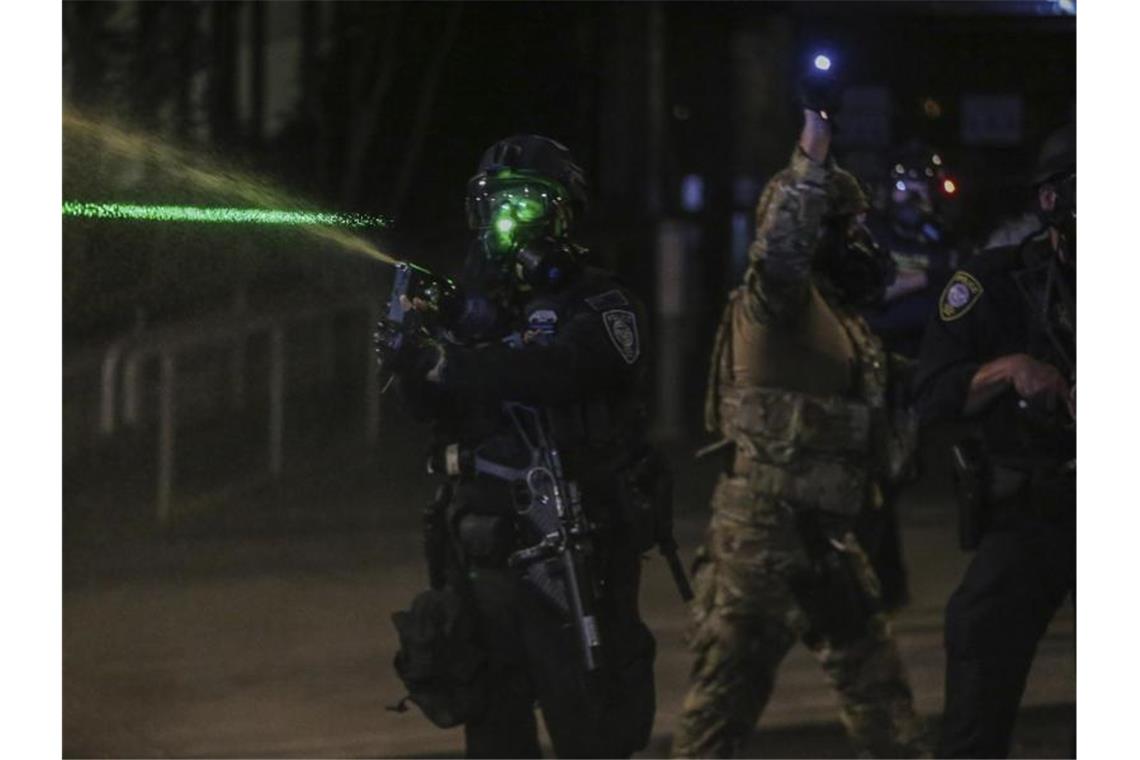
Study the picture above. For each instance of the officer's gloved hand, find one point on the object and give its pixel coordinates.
(821, 93)
(407, 354)
(387, 340)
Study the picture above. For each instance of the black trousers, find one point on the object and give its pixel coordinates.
(1021, 574)
(535, 658)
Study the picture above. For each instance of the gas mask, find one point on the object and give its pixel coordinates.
(851, 264)
(912, 212)
(521, 225)
(486, 294)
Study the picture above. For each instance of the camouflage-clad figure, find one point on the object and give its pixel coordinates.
(797, 385)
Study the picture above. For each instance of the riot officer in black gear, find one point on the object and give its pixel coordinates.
(914, 225)
(544, 354)
(912, 222)
(1001, 351)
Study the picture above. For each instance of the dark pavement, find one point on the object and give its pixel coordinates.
(282, 647)
(261, 627)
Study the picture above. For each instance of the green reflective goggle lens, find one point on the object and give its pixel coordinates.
(511, 216)
(506, 234)
(525, 204)
(520, 208)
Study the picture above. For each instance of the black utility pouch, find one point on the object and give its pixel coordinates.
(971, 486)
(440, 660)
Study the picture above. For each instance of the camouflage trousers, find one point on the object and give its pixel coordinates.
(749, 611)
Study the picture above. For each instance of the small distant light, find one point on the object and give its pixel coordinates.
(692, 192)
(936, 160)
(949, 186)
(505, 225)
(900, 186)
(822, 62)
(932, 108)
(899, 169)
(929, 172)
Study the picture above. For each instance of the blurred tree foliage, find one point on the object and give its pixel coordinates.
(367, 74)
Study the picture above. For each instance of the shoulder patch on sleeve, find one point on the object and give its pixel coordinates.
(621, 325)
(611, 299)
(959, 296)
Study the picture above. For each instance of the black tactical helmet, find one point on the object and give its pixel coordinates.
(523, 160)
(917, 166)
(524, 201)
(920, 193)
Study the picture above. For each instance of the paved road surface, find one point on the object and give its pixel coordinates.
(282, 647)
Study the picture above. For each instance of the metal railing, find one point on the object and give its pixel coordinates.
(118, 365)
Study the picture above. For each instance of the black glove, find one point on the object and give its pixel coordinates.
(399, 352)
(820, 92)
(388, 341)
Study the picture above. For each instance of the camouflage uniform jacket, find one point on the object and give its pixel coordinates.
(797, 381)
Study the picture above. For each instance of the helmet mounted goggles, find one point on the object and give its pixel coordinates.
(511, 210)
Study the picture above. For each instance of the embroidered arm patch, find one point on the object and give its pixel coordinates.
(959, 296)
(621, 325)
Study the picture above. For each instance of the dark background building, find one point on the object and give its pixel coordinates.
(678, 111)
(218, 381)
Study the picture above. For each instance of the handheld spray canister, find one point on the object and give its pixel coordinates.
(418, 300)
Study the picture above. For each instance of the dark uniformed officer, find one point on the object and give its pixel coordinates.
(915, 229)
(547, 354)
(1001, 350)
(798, 387)
(913, 225)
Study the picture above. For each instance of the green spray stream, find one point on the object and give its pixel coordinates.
(270, 205)
(216, 215)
